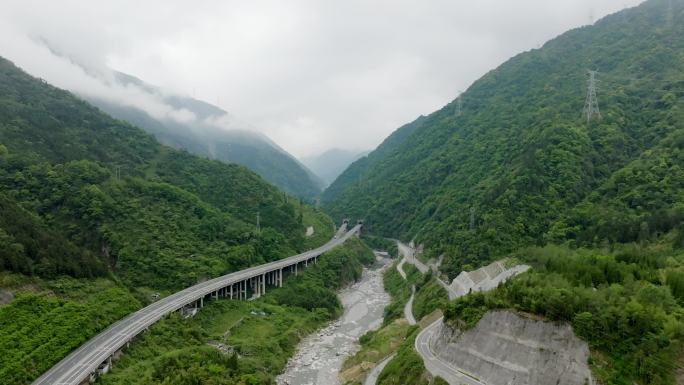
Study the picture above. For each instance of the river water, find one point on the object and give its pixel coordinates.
(320, 356)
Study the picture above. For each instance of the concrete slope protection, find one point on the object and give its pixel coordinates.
(435, 364)
(483, 279)
(82, 364)
(506, 348)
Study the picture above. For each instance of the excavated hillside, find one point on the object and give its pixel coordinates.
(505, 348)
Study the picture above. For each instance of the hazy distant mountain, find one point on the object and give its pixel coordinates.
(214, 133)
(330, 164)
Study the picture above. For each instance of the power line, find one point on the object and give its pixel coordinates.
(591, 107)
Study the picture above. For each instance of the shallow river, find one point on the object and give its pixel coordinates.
(319, 356)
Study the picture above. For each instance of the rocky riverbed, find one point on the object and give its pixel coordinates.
(319, 357)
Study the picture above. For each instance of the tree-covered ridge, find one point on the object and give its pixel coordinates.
(520, 157)
(83, 194)
(627, 304)
(42, 325)
(252, 150)
(361, 167)
(640, 202)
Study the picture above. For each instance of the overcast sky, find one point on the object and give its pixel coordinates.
(311, 75)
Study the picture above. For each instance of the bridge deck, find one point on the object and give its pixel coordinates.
(79, 364)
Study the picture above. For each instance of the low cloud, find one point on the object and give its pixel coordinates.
(311, 75)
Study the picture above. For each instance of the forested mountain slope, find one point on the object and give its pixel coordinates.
(373, 161)
(206, 136)
(521, 166)
(330, 164)
(83, 194)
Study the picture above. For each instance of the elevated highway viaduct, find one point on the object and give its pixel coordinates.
(81, 365)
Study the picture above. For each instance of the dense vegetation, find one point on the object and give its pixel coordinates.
(96, 216)
(38, 328)
(407, 367)
(83, 194)
(204, 138)
(256, 337)
(376, 345)
(381, 244)
(399, 290)
(521, 166)
(396, 336)
(430, 296)
(627, 304)
(323, 226)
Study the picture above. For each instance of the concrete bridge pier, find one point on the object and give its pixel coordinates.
(263, 284)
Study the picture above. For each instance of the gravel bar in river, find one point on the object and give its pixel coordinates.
(320, 356)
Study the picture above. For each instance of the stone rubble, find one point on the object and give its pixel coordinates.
(320, 356)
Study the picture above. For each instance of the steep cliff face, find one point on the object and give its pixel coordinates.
(508, 349)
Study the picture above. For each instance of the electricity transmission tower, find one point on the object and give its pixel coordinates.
(670, 14)
(591, 107)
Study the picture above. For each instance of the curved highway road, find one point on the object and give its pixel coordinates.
(410, 257)
(434, 364)
(83, 362)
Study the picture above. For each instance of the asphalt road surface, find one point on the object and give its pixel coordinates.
(436, 366)
(372, 377)
(408, 308)
(410, 257)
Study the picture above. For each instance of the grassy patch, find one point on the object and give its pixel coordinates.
(407, 367)
(430, 296)
(375, 346)
(400, 290)
(322, 224)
